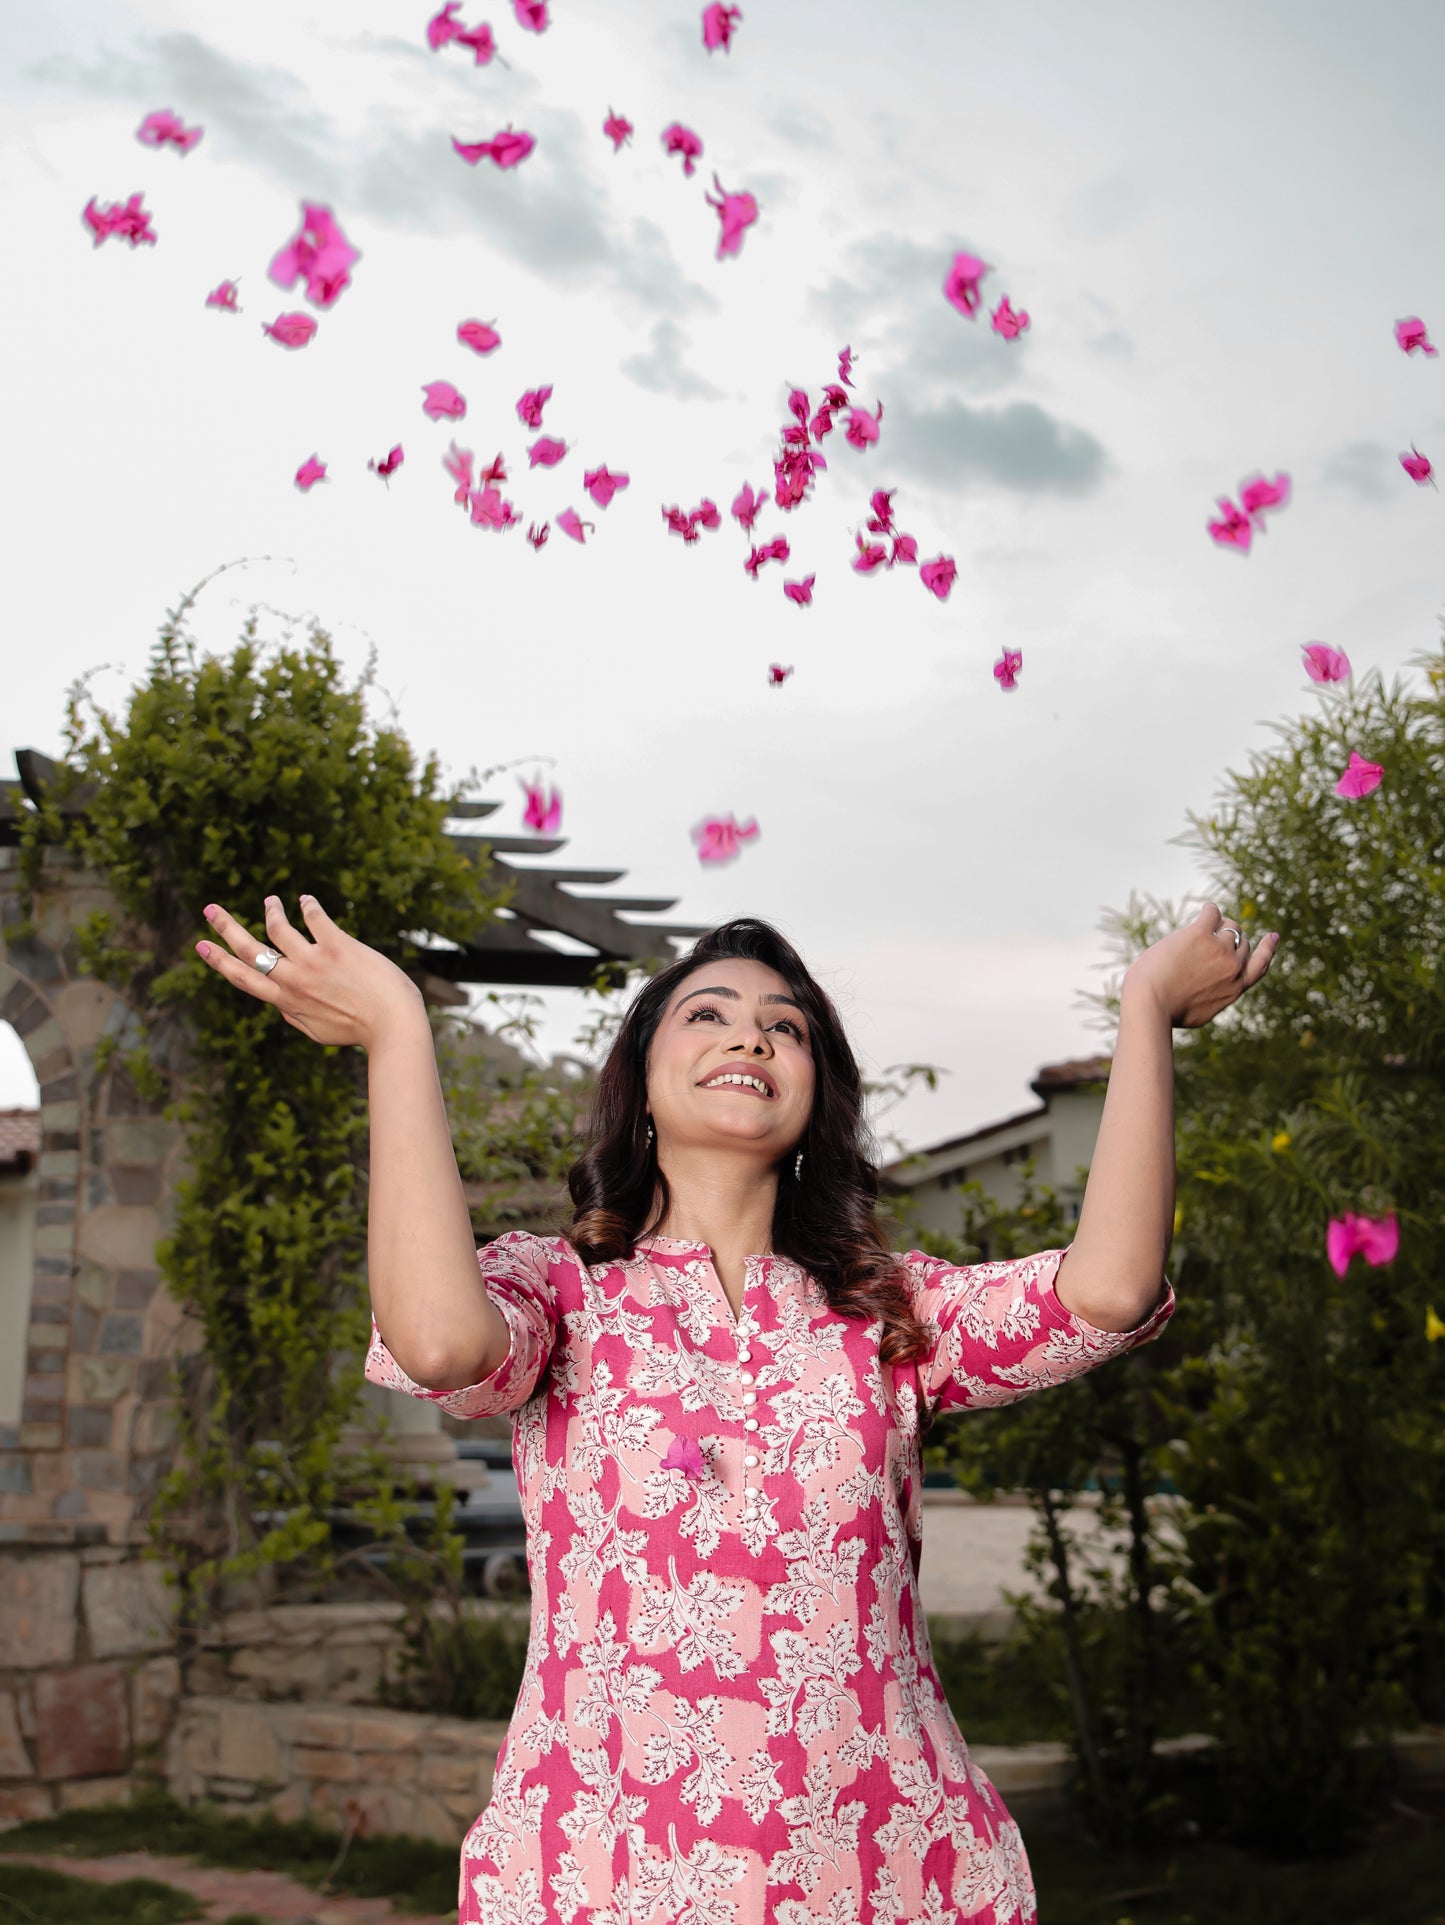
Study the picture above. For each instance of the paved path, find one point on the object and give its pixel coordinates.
(224, 1892)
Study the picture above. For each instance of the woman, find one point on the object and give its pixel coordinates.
(729, 1713)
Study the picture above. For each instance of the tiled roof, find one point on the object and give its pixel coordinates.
(1079, 1069)
(19, 1138)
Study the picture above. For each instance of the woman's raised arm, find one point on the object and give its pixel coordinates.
(426, 1288)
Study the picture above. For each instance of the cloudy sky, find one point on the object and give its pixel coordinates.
(1214, 216)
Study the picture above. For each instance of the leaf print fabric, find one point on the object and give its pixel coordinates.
(729, 1713)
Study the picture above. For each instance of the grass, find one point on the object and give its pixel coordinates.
(35, 1895)
(1397, 1880)
(418, 1875)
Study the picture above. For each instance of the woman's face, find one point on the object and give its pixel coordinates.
(731, 1063)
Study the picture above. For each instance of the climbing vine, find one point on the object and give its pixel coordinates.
(225, 780)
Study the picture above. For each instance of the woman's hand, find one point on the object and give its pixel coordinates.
(332, 988)
(1197, 970)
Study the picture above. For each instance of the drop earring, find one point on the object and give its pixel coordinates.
(798, 1168)
(649, 1134)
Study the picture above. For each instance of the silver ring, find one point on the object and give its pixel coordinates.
(1238, 936)
(265, 960)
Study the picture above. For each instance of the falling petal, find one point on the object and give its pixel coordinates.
(1417, 467)
(1412, 335)
(529, 408)
(1360, 777)
(602, 485)
(720, 839)
(570, 524)
(129, 222)
(319, 253)
(531, 14)
(545, 452)
(1008, 323)
(938, 576)
(507, 149)
(538, 536)
(1006, 668)
(862, 429)
(309, 473)
(777, 674)
(1233, 529)
(543, 812)
(719, 24)
(960, 285)
(223, 296)
(1325, 664)
(480, 336)
(443, 402)
(163, 129)
(290, 330)
(800, 592)
(617, 129)
(737, 212)
(1257, 494)
(678, 139)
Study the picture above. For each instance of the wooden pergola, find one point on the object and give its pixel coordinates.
(511, 948)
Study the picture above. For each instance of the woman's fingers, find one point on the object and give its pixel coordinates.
(1260, 961)
(279, 932)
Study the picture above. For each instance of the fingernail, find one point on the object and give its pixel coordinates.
(203, 948)
(209, 911)
(272, 902)
(308, 898)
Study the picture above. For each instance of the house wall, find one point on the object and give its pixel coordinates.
(1059, 1142)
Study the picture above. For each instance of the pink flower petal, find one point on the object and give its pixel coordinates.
(290, 330)
(960, 284)
(1006, 668)
(129, 222)
(737, 212)
(545, 452)
(529, 408)
(1006, 322)
(1257, 494)
(163, 129)
(1233, 529)
(309, 473)
(720, 838)
(531, 14)
(1360, 777)
(480, 336)
(1325, 664)
(507, 149)
(938, 576)
(320, 253)
(443, 402)
(1417, 467)
(617, 130)
(223, 296)
(442, 27)
(678, 139)
(863, 428)
(685, 1454)
(719, 24)
(570, 524)
(1377, 1239)
(800, 592)
(777, 674)
(746, 505)
(389, 466)
(1412, 335)
(602, 485)
(538, 536)
(543, 813)
(481, 41)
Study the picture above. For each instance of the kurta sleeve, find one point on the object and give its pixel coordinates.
(1001, 1332)
(516, 1276)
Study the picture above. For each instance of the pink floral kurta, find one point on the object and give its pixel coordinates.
(729, 1713)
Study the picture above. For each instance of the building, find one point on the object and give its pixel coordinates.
(1058, 1137)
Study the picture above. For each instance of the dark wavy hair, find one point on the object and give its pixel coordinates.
(827, 1221)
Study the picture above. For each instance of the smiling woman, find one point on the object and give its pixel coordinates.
(720, 1379)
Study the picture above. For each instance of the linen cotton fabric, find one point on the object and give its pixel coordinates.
(729, 1713)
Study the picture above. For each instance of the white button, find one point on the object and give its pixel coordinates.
(753, 1494)
(751, 1462)
(750, 1396)
(747, 1376)
(745, 1355)
(750, 1423)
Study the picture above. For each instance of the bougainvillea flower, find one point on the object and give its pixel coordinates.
(458, 464)
(707, 514)
(1360, 777)
(320, 252)
(1232, 530)
(442, 27)
(821, 423)
(871, 555)
(507, 149)
(1376, 1239)
(495, 472)
(1412, 335)
(163, 129)
(309, 473)
(1257, 494)
(777, 674)
(481, 40)
(746, 505)
(571, 524)
(680, 524)
(443, 402)
(960, 285)
(531, 14)
(720, 839)
(538, 536)
(719, 24)
(862, 428)
(905, 549)
(793, 473)
(737, 212)
(223, 296)
(775, 550)
(529, 408)
(480, 336)
(602, 484)
(1325, 664)
(291, 330)
(1417, 467)
(389, 466)
(490, 511)
(545, 452)
(938, 576)
(800, 592)
(845, 366)
(129, 220)
(542, 812)
(880, 521)
(685, 1454)
(678, 139)
(1006, 668)
(1007, 322)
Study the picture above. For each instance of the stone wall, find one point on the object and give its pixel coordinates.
(395, 1770)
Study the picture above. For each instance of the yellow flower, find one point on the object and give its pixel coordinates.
(1306, 1039)
(1434, 1326)
(1279, 1142)
(1178, 1217)
(1248, 911)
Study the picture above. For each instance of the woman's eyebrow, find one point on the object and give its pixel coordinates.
(734, 996)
